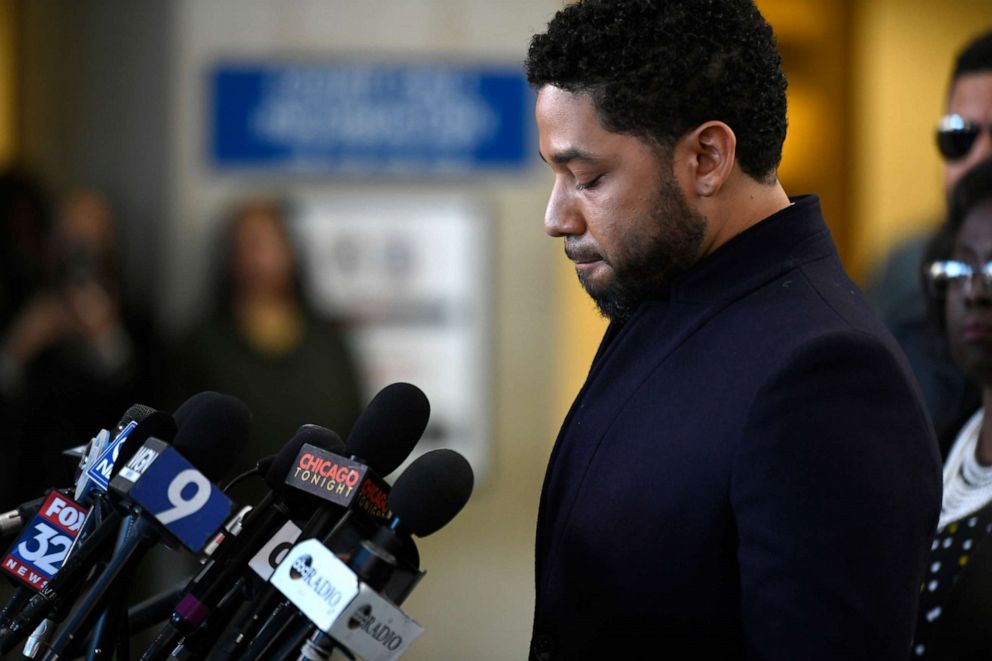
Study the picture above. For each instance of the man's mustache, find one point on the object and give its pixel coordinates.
(577, 252)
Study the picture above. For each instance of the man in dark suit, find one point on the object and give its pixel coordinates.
(748, 471)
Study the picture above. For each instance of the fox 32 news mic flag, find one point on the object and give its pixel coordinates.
(38, 553)
(43, 545)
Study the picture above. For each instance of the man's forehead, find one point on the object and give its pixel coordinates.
(568, 125)
(557, 104)
(571, 129)
(971, 96)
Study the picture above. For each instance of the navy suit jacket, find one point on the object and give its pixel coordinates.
(748, 471)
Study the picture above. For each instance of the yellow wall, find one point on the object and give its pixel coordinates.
(578, 329)
(904, 51)
(8, 124)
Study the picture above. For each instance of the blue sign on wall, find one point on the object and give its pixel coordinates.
(370, 118)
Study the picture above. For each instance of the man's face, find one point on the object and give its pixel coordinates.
(971, 97)
(625, 221)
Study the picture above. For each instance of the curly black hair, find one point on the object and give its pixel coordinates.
(976, 57)
(658, 68)
(974, 189)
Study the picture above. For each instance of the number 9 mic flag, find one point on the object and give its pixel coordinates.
(179, 496)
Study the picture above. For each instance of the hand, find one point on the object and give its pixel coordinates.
(40, 323)
(91, 310)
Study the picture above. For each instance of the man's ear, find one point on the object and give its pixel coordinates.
(710, 150)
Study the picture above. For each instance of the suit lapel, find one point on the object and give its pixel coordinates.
(622, 364)
(629, 354)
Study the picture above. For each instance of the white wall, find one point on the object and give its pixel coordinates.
(477, 598)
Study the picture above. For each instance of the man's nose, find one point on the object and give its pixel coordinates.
(562, 216)
(978, 290)
(982, 149)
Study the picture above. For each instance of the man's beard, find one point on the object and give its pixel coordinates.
(648, 263)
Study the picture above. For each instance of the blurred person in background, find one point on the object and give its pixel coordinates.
(74, 355)
(264, 344)
(964, 138)
(955, 615)
(24, 226)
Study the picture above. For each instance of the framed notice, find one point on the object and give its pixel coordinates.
(411, 276)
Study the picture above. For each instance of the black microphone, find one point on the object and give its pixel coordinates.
(229, 428)
(97, 462)
(137, 424)
(13, 520)
(213, 429)
(382, 438)
(426, 496)
(205, 591)
(384, 434)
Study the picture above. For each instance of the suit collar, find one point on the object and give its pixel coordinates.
(764, 251)
(793, 236)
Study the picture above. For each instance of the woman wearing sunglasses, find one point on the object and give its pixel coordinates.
(955, 614)
(964, 140)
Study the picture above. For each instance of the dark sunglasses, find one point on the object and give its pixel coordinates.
(951, 273)
(956, 135)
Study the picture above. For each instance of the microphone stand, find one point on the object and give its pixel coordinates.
(135, 536)
(112, 626)
(199, 642)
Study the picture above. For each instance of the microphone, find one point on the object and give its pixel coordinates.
(157, 482)
(13, 520)
(384, 434)
(213, 428)
(429, 494)
(155, 485)
(205, 591)
(57, 527)
(206, 419)
(381, 439)
(98, 463)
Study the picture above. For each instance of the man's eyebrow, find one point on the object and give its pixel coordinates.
(567, 156)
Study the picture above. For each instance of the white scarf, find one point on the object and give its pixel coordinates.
(967, 484)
